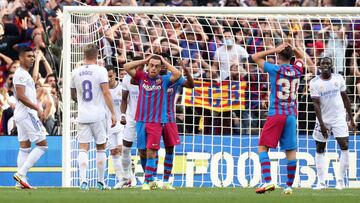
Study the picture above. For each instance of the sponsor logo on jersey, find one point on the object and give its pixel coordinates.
(151, 87)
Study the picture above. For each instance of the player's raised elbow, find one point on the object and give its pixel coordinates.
(189, 84)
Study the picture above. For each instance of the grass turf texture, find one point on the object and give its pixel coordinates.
(187, 195)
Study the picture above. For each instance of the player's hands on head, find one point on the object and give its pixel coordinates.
(282, 47)
(324, 131)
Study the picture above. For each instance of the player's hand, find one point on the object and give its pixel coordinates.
(353, 126)
(123, 120)
(324, 131)
(40, 114)
(113, 120)
(281, 47)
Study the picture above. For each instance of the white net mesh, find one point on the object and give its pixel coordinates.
(220, 119)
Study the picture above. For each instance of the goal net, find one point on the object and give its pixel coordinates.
(220, 119)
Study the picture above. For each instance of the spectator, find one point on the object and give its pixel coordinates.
(227, 54)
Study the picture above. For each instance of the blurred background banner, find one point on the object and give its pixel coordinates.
(216, 96)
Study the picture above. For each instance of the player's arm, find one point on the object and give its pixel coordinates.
(108, 101)
(347, 105)
(20, 94)
(175, 72)
(301, 55)
(130, 67)
(123, 106)
(73, 94)
(189, 83)
(316, 102)
(259, 58)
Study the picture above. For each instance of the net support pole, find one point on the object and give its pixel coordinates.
(66, 144)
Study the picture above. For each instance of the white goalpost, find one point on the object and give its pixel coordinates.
(219, 120)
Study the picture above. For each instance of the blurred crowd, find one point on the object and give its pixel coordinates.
(216, 48)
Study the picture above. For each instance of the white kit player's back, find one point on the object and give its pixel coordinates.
(91, 104)
(133, 96)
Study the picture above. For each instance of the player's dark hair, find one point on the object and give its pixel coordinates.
(156, 57)
(110, 67)
(23, 50)
(287, 53)
(91, 51)
(325, 58)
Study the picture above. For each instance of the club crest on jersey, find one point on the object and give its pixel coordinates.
(22, 79)
(322, 87)
(336, 84)
(158, 81)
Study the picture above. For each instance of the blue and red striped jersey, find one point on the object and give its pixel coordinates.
(171, 93)
(284, 83)
(151, 105)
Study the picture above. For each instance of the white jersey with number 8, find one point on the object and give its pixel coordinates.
(91, 104)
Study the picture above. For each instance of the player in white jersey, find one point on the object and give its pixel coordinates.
(328, 92)
(90, 89)
(115, 133)
(26, 116)
(128, 109)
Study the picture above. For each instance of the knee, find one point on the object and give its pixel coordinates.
(320, 150)
(169, 150)
(344, 146)
(142, 153)
(115, 151)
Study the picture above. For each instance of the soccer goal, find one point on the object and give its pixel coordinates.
(220, 119)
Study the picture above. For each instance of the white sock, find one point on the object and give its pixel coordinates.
(344, 163)
(117, 165)
(101, 164)
(83, 161)
(33, 157)
(22, 156)
(320, 167)
(126, 160)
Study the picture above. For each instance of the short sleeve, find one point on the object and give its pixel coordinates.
(103, 76)
(299, 65)
(20, 79)
(125, 83)
(180, 82)
(313, 90)
(166, 80)
(342, 84)
(139, 75)
(270, 68)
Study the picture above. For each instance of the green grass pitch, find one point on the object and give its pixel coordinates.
(185, 195)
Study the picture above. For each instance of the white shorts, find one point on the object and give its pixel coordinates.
(88, 131)
(337, 130)
(115, 136)
(130, 130)
(31, 129)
